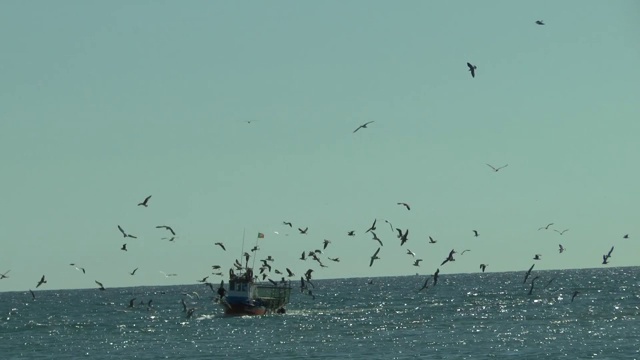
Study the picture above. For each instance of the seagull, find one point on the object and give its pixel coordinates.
(375, 237)
(449, 258)
(409, 252)
(166, 227)
(335, 259)
(167, 275)
(42, 281)
(561, 249)
(290, 273)
(363, 126)
(303, 231)
(472, 68)
(404, 238)
(146, 200)
(78, 268)
(483, 267)
(351, 233)
(464, 251)
(417, 262)
(33, 295)
(124, 234)
(374, 257)
(405, 205)
(100, 284)
(303, 256)
(537, 257)
(606, 257)
(532, 282)
(190, 312)
(387, 221)
(539, 22)
(475, 233)
(526, 276)
(221, 245)
(575, 293)
(373, 226)
(426, 284)
(545, 227)
(431, 241)
(435, 276)
(497, 169)
(325, 244)
(133, 272)
(287, 223)
(4, 276)
(561, 232)
(626, 236)
(124, 247)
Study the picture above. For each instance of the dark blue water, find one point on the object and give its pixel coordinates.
(466, 316)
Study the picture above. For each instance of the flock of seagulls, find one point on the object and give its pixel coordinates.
(267, 266)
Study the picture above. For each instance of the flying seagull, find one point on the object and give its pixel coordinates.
(100, 284)
(221, 245)
(409, 252)
(561, 232)
(303, 231)
(146, 200)
(405, 205)
(351, 233)
(431, 241)
(475, 233)
(363, 126)
(124, 247)
(417, 262)
(537, 257)
(426, 284)
(374, 257)
(33, 295)
(287, 223)
(334, 259)
(373, 226)
(626, 236)
(78, 268)
(133, 272)
(376, 238)
(4, 276)
(496, 169)
(545, 227)
(42, 281)
(404, 237)
(449, 258)
(124, 234)
(472, 68)
(435, 277)
(464, 251)
(532, 282)
(539, 22)
(387, 221)
(166, 227)
(606, 257)
(561, 249)
(325, 243)
(526, 276)
(483, 267)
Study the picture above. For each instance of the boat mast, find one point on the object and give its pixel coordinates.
(242, 250)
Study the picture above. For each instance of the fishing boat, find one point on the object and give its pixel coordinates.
(246, 297)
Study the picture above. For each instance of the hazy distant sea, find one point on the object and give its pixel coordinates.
(466, 316)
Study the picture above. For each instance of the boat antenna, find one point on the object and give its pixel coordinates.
(242, 250)
(253, 265)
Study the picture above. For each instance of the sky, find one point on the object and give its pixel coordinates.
(237, 116)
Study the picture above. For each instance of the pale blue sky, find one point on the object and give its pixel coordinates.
(104, 103)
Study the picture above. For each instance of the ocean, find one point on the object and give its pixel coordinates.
(465, 316)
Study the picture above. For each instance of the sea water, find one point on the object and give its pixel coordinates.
(465, 316)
